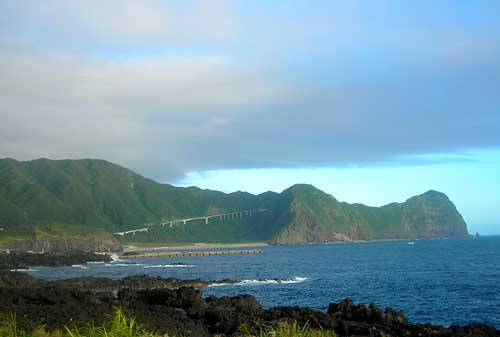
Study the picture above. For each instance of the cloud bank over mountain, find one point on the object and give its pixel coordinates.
(167, 87)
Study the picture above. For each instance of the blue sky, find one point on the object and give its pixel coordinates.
(372, 101)
(470, 180)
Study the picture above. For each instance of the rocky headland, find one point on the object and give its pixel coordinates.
(177, 307)
(79, 204)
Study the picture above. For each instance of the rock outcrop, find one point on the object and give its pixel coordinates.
(183, 311)
(318, 217)
(65, 244)
(23, 260)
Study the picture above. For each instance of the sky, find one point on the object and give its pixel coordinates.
(371, 101)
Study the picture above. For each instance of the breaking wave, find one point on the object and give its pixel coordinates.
(123, 264)
(115, 257)
(295, 279)
(174, 265)
(79, 266)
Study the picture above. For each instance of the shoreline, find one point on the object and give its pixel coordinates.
(194, 246)
(175, 307)
(140, 247)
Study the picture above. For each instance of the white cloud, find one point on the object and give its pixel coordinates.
(120, 23)
(172, 87)
(62, 106)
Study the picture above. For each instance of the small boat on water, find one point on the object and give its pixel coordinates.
(411, 242)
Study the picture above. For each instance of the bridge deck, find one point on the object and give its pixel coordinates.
(171, 223)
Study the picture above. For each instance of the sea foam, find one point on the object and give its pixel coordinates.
(295, 279)
(170, 266)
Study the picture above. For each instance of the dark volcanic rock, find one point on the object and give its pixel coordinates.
(54, 306)
(226, 314)
(177, 311)
(183, 311)
(187, 299)
(314, 318)
(24, 260)
(11, 279)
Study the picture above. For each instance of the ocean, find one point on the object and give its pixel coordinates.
(446, 282)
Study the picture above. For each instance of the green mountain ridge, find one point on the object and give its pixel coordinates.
(74, 197)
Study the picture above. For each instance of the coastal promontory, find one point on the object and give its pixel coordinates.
(43, 200)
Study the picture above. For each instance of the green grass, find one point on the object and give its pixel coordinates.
(119, 326)
(286, 329)
(123, 326)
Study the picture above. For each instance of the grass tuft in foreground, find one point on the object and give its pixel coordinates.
(287, 329)
(120, 326)
(123, 326)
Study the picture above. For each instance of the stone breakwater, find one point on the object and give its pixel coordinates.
(169, 306)
(136, 255)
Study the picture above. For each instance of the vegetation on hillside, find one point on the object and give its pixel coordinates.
(74, 197)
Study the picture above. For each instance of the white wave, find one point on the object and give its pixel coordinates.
(79, 266)
(115, 257)
(123, 264)
(221, 284)
(296, 279)
(170, 266)
(24, 269)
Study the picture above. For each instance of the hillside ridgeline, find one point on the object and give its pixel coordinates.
(73, 198)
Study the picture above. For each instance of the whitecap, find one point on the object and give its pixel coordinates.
(221, 284)
(123, 264)
(295, 279)
(115, 257)
(170, 266)
(79, 266)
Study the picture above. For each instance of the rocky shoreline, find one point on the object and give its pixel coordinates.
(177, 307)
(17, 260)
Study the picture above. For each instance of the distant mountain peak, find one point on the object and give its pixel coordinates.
(434, 193)
(88, 195)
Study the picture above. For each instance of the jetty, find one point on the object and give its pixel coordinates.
(187, 254)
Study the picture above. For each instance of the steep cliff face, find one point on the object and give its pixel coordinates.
(74, 198)
(432, 215)
(319, 217)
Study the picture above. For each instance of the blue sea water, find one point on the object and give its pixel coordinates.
(455, 281)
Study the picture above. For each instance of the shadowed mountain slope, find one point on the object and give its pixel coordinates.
(87, 196)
